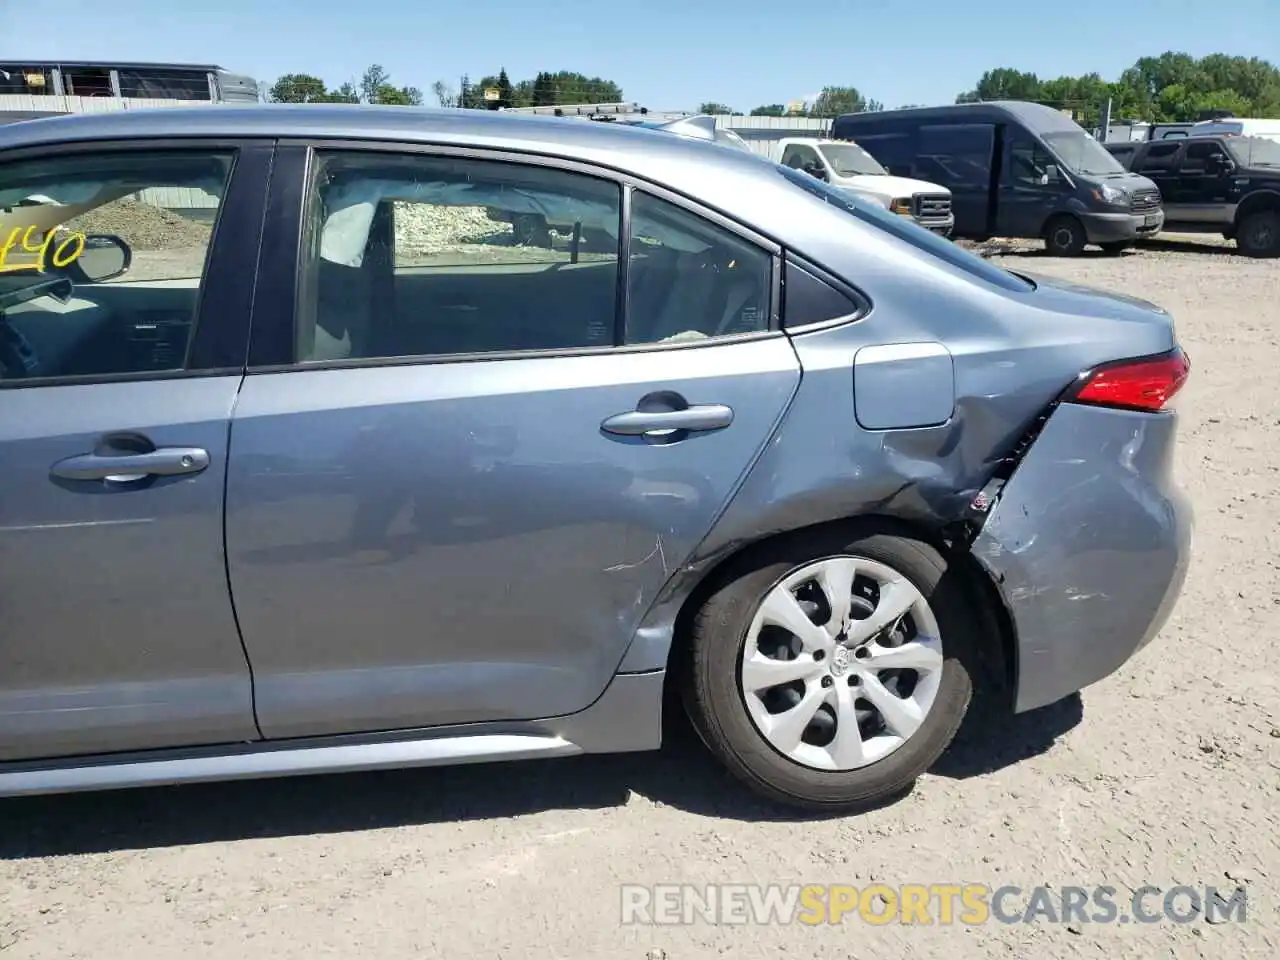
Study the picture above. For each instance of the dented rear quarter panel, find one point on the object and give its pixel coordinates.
(1012, 354)
(1089, 544)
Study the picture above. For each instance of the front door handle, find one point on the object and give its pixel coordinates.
(161, 462)
(636, 423)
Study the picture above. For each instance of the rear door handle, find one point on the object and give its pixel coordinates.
(161, 462)
(635, 423)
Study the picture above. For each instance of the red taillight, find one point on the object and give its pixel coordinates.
(1146, 384)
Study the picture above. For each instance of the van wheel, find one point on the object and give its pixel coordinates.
(1259, 234)
(1064, 237)
(828, 673)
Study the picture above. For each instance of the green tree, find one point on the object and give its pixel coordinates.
(371, 84)
(833, 101)
(346, 93)
(297, 88)
(444, 94)
(770, 110)
(1170, 88)
(504, 89)
(1003, 83)
(714, 107)
(376, 87)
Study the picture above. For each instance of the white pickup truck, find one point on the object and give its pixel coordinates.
(844, 164)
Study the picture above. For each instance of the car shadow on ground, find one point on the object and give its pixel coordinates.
(681, 775)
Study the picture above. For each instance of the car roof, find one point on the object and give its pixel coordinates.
(620, 146)
(1035, 116)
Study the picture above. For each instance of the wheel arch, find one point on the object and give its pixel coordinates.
(1267, 199)
(999, 658)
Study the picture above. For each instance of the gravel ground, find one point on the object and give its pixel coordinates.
(1166, 773)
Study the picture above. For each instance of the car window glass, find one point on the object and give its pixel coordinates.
(958, 155)
(1160, 156)
(1196, 157)
(429, 256)
(807, 299)
(800, 158)
(897, 155)
(908, 231)
(1030, 164)
(690, 279)
(1124, 155)
(102, 258)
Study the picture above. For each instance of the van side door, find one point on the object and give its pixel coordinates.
(959, 156)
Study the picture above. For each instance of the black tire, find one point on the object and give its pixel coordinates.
(710, 686)
(1259, 234)
(1117, 247)
(1064, 236)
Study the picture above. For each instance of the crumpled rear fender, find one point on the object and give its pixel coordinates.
(1088, 543)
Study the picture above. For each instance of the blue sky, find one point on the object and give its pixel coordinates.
(664, 54)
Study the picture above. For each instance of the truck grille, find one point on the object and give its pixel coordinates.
(932, 206)
(1145, 200)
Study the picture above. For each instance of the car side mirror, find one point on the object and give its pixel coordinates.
(103, 256)
(1051, 174)
(816, 171)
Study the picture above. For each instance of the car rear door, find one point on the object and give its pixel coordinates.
(1159, 164)
(461, 471)
(116, 626)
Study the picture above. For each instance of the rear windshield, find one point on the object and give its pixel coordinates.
(909, 231)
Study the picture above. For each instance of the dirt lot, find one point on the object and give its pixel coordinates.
(1167, 773)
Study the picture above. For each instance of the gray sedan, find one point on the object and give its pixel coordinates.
(312, 463)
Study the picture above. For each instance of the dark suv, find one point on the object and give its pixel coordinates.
(1226, 185)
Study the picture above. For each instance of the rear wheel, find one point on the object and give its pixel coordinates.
(829, 674)
(1064, 237)
(1259, 234)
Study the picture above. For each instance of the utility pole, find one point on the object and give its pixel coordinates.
(1106, 122)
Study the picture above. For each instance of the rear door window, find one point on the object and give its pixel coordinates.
(957, 154)
(1160, 158)
(689, 279)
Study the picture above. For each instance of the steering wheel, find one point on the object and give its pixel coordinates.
(17, 358)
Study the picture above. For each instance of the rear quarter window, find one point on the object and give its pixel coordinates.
(909, 232)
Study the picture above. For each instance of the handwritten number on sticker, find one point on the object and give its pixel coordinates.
(65, 253)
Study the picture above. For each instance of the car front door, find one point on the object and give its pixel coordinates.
(1031, 188)
(463, 476)
(1204, 189)
(117, 382)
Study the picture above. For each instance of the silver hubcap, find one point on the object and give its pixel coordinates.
(841, 664)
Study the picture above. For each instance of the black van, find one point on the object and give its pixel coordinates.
(1014, 169)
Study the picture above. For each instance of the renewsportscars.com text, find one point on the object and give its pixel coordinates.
(927, 904)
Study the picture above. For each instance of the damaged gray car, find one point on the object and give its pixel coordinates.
(343, 473)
